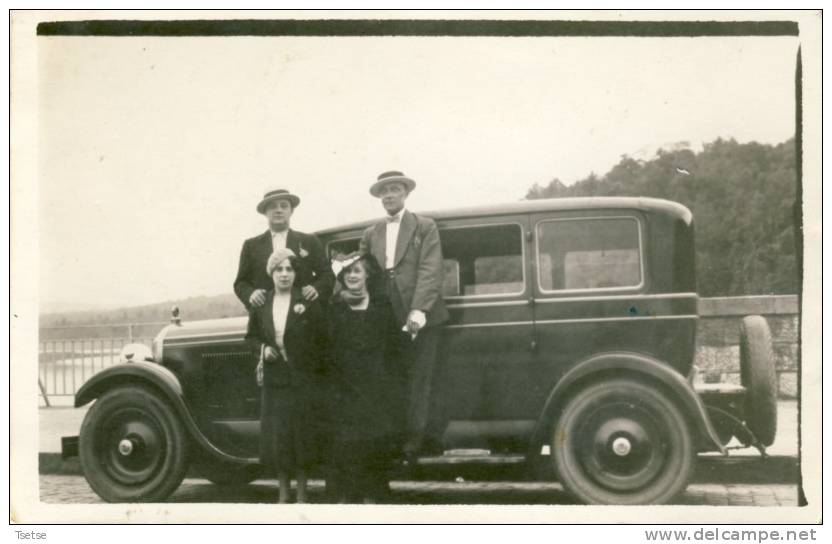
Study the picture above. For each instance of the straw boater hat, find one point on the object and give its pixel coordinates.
(277, 194)
(389, 177)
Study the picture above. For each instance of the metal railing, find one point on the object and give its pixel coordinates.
(69, 356)
(129, 331)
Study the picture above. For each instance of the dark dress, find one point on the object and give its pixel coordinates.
(290, 430)
(368, 408)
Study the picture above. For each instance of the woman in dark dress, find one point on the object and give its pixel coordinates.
(367, 376)
(288, 334)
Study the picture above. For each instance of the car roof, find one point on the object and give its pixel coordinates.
(649, 205)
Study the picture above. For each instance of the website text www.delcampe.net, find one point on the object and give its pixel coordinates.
(731, 535)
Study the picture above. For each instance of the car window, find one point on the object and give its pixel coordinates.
(339, 248)
(593, 253)
(450, 283)
(483, 260)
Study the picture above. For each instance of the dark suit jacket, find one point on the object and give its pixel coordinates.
(418, 266)
(305, 341)
(313, 268)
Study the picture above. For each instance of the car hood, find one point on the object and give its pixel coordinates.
(207, 331)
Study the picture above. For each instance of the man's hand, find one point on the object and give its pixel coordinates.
(415, 321)
(270, 354)
(257, 298)
(309, 292)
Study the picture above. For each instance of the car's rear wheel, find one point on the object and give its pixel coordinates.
(133, 448)
(758, 376)
(622, 442)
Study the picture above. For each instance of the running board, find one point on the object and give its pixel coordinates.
(453, 457)
(479, 465)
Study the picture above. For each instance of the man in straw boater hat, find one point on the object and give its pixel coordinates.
(407, 247)
(313, 274)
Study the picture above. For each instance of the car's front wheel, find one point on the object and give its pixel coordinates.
(133, 447)
(621, 441)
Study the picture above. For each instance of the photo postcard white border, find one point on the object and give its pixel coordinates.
(25, 506)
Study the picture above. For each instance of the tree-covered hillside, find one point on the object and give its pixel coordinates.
(742, 197)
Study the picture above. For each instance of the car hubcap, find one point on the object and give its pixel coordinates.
(133, 446)
(125, 447)
(621, 446)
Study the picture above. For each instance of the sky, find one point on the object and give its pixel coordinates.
(154, 152)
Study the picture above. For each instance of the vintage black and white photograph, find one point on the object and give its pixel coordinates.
(297, 264)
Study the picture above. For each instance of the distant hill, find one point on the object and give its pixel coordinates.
(192, 308)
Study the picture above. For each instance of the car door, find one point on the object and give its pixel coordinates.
(487, 361)
(589, 287)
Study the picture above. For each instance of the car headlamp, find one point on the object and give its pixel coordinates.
(132, 353)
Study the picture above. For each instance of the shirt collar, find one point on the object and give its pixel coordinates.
(279, 233)
(398, 216)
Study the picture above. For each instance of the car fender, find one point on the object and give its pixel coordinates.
(167, 384)
(634, 364)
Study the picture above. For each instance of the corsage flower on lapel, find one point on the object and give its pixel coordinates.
(303, 253)
(416, 241)
(299, 308)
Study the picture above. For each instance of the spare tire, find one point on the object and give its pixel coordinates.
(759, 378)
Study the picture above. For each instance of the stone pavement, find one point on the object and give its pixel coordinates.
(74, 489)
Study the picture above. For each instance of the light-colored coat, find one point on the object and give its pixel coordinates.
(417, 266)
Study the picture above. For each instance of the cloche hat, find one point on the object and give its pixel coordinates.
(278, 257)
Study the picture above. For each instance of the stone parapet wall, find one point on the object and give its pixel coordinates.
(718, 337)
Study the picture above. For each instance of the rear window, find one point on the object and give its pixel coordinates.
(339, 248)
(483, 260)
(593, 253)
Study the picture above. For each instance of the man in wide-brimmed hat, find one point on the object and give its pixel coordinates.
(407, 247)
(313, 273)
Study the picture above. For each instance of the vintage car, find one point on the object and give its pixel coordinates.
(571, 344)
